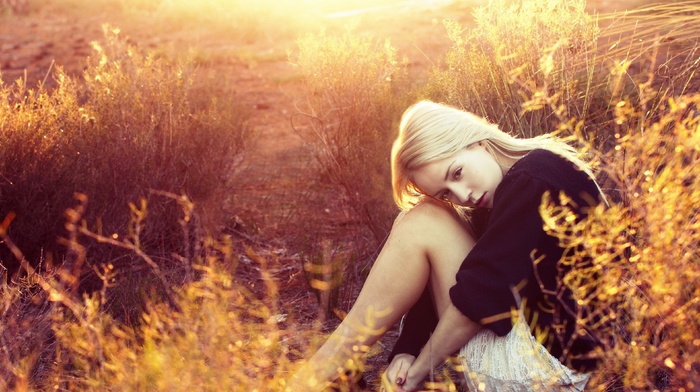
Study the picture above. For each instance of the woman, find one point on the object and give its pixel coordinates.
(496, 301)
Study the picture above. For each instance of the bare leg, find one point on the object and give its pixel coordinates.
(426, 245)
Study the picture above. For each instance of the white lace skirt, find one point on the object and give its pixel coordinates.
(516, 362)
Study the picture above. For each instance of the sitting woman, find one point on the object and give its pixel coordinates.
(488, 291)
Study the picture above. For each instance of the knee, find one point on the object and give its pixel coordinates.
(435, 231)
(429, 217)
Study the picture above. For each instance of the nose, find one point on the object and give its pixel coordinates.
(460, 196)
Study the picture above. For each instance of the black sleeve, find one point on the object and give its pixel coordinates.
(501, 261)
(416, 327)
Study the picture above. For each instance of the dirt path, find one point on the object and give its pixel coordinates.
(30, 46)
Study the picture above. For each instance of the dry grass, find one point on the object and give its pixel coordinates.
(212, 333)
(517, 52)
(130, 130)
(353, 85)
(642, 267)
(625, 86)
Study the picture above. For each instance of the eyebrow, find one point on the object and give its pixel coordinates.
(447, 174)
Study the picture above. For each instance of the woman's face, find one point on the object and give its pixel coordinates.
(468, 178)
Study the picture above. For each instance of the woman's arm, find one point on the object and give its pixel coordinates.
(453, 331)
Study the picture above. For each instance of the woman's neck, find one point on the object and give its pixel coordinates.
(506, 162)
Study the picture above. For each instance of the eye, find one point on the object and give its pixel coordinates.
(457, 174)
(445, 196)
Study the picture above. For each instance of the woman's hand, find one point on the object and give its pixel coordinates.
(413, 380)
(396, 373)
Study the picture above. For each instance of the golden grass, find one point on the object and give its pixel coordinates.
(353, 95)
(624, 85)
(517, 52)
(642, 265)
(212, 333)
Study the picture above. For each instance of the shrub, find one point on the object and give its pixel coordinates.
(211, 333)
(643, 270)
(350, 109)
(221, 338)
(517, 51)
(130, 129)
(530, 66)
(351, 100)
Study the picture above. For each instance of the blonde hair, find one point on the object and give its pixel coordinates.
(432, 131)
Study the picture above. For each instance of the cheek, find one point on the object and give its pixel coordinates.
(495, 174)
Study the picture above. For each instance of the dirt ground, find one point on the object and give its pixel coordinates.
(279, 191)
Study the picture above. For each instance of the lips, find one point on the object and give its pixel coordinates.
(482, 202)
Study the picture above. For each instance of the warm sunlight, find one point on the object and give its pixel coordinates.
(307, 10)
(333, 8)
(197, 194)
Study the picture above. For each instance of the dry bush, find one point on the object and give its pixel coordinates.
(351, 99)
(517, 51)
(221, 338)
(210, 334)
(531, 65)
(348, 116)
(128, 132)
(642, 267)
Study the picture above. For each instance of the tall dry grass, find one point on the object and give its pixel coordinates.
(631, 103)
(353, 95)
(517, 52)
(642, 269)
(352, 103)
(212, 333)
(130, 130)
(622, 88)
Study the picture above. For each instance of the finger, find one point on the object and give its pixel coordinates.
(387, 384)
(392, 371)
(400, 376)
(402, 373)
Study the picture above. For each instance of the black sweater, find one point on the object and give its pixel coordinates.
(500, 270)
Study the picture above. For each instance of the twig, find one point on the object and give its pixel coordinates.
(125, 245)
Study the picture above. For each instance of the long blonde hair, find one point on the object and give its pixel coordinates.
(432, 131)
